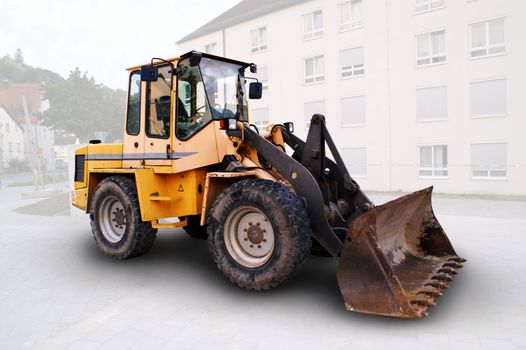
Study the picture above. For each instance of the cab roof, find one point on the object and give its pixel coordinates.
(174, 60)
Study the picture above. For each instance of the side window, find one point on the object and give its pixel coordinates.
(158, 104)
(193, 112)
(133, 124)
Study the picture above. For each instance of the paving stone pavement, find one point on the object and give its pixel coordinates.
(58, 292)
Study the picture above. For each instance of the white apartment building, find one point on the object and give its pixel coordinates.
(415, 92)
(11, 139)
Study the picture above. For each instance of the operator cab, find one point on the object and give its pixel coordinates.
(170, 101)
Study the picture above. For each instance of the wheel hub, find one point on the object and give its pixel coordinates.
(112, 219)
(119, 216)
(255, 233)
(249, 236)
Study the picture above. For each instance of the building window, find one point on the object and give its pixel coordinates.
(488, 160)
(211, 48)
(19, 147)
(431, 48)
(353, 111)
(10, 147)
(158, 104)
(352, 62)
(263, 77)
(311, 108)
(428, 5)
(313, 25)
(350, 14)
(355, 158)
(133, 116)
(431, 103)
(7, 127)
(314, 69)
(259, 39)
(260, 117)
(487, 38)
(488, 98)
(432, 161)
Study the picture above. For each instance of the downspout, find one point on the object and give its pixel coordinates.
(224, 42)
(389, 122)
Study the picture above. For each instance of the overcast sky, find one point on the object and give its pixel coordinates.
(101, 37)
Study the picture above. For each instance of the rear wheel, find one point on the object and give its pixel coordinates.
(116, 220)
(194, 229)
(259, 234)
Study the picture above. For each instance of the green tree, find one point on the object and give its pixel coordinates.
(12, 71)
(19, 57)
(81, 106)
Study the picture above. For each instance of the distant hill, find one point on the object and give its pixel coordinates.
(13, 71)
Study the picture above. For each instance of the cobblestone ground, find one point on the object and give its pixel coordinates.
(58, 292)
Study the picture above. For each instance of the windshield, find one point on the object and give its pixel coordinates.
(225, 87)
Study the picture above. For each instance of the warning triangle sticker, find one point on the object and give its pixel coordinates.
(180, 189)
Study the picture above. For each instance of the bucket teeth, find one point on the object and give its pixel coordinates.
(457, 259)
(423, 301)
(448, 270)
(453, 265)
(432, 292)
(437, 284)
(443, 277)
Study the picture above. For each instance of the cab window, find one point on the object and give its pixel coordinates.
(133, 115)
(158, 104)
(192, 106)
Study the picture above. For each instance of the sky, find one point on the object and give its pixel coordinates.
(100, 37)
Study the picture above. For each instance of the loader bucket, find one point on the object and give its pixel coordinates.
(396, 259)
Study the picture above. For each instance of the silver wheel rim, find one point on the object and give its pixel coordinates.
(112, 219)
(249, 236)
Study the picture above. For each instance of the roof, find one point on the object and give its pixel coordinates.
(2, 108)
(242, 12)
(11, 99)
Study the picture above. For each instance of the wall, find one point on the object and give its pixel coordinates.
(391, 132)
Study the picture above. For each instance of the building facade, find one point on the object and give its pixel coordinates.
(415, 92)
(38, 138)
(11, 140)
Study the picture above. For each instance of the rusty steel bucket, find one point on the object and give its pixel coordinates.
(396, 259)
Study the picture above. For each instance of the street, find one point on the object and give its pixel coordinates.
(58, 292)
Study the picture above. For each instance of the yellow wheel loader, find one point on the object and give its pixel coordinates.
(190, 158)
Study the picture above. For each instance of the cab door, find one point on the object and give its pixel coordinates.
(133, 145)
(158, 118)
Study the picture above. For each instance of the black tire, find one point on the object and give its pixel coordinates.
(138, 236)
(194, 228)
(286, 214)
(317, 250)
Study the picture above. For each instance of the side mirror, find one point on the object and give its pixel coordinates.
(149, 73)
(255, 91)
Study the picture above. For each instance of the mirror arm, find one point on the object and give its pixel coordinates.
(251, 78)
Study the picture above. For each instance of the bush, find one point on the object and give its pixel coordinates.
(15, 166)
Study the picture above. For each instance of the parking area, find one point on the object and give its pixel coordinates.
(58, 292)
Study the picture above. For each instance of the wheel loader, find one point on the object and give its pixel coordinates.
(263, 199)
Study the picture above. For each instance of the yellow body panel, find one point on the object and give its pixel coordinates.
(169, 195)
(104, 156)
(79, 198)
(179, 185)
(217, 182)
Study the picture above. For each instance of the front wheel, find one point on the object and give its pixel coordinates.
(259, 234)
(116, 220)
